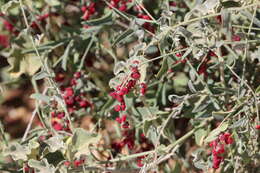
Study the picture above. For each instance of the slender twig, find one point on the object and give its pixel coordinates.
(162, 56)
(29, 125)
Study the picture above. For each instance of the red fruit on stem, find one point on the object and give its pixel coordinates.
(123, 7)
(84, 104)
(118, 119)
(236, 38)
(4, 41)
(143, 88)
(136, 75)
(61, 115)
(67, 163)
(117, 108)
(83, 9)
(77, 75)
(123, 118)
(69, 92)
(57, 126)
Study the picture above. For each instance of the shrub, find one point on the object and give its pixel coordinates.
(133, 86)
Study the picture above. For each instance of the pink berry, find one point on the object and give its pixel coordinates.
(118, 119)
(117, 108)
(83, 9)
(236, 38)
(77, 75)
(84, 104)
(136, 75)
(4, 41)
(67, 163)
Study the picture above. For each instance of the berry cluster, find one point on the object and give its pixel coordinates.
(128, 135)
(128, 140)
(76, 163)
(126, 87)
(120, 4)
(88, 10)
(74, 100)
(146, 25)
(218, 148)
(122, 121)
(58, 122)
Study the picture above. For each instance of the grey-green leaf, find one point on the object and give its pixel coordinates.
(41, 166)
(123, 36)
(81, 140)
(41, 97)
(55, 143)
(17, 151)
(101, 21)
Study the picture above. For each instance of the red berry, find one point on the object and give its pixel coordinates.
(173, 4)
(59, 77)
(140, 162)
(123, 106)
(86, 15)
(136, 75)
(73, 82)
(83, 9)
(8, 26)
(84, 104)
(61, 115)
(143, 88)
(125, 125)
(118, 119)
(123, 7)
(236, 38)
(117, 108)
(211, 53)
(178, 54)
(57, 126)
(219, 19)
(92, 10)
(69, 101)
(124, 118)
(4, 41)
(42, 138)
(257, 127)
(77, 75)
(77, 163)
(69, 92)
(146, 17)
(216, 161)
(71, 109)
(67, 163)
